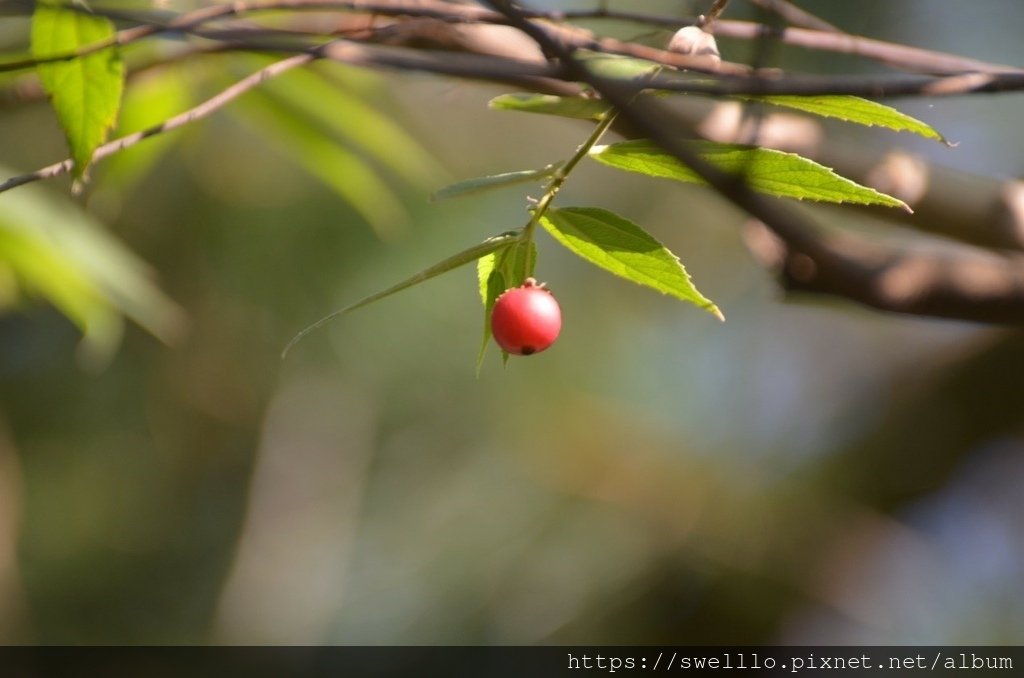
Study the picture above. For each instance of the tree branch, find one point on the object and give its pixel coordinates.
(961, 284)
(795, 16)
(890, 53)
(197, 113)
(895, 55)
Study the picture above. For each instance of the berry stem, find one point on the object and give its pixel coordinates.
(562, 174)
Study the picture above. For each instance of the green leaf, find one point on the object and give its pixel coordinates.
(621, 247)
(497, 272)
(617, 66)
(56, 251)
(580, 108)
(485, 265)
(152, 98)
(494, 181)
(855, 110)
(492, 282)
(85, 91)
(765, 170)
(456, 260)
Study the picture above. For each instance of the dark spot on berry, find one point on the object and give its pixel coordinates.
(527, 350)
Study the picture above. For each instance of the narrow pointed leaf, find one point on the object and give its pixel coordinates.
(497, 272)
(765, 170)
(856, 110)
(455, 261)
(617, 65)
(621, 247)
(492, 182)
(85, 91)
(580, 108)
(485, 266)
(492, 282)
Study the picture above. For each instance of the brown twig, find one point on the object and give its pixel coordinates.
(197, 113)
(483, 67)
(796, 16)
(900, 56)
(893, 54)
(707, 21)
(486, 67)
(870, 86)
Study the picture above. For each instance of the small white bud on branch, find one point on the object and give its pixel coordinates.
(697, 42)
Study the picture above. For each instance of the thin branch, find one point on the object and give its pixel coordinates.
(543, 77)
(900, 56)
(151, 23)
(197, 113)
(796, 16)
(870, 86)
(477, 67)
(893, 54)
(487, 67)
(706, 21)
(124, 37)
(1003, 78)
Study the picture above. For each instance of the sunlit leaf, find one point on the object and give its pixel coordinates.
(621, 247)
(85, 91)
(455, 261)
(855, 110)
(763, 169)
(149, 101)
(581, 108)
(492, 182)
(617, 66)
(497, 272)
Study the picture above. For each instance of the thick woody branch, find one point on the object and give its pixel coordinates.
(961, 283)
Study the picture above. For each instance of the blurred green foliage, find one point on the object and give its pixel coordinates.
(798, 474)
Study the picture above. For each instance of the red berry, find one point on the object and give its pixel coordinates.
(526, 319)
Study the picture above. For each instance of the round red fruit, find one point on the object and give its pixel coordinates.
(526, 319)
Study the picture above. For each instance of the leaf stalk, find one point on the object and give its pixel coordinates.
(563, 172)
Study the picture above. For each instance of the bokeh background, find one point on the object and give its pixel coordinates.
(804, 473)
